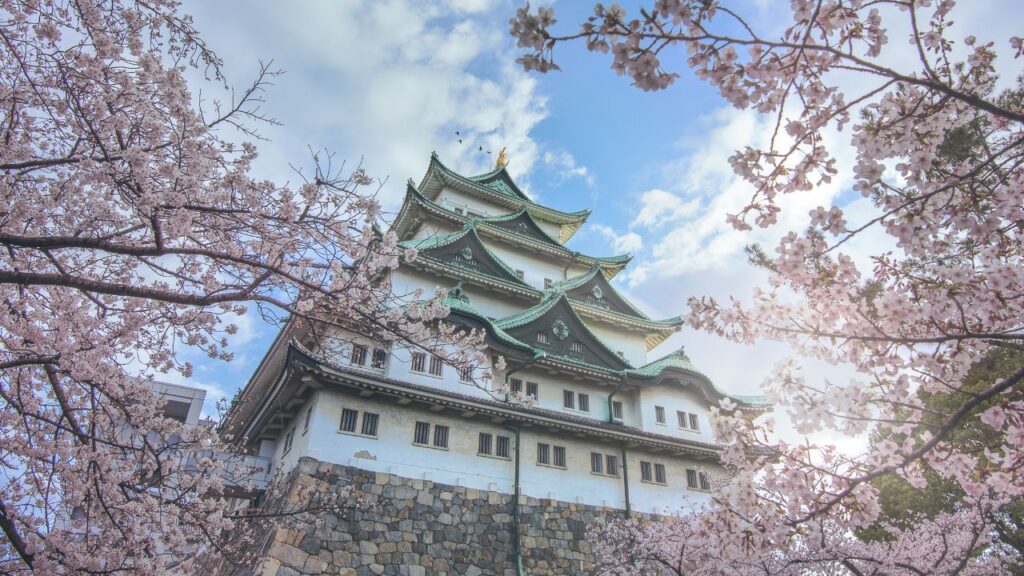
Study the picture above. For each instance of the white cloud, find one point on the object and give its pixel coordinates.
(621, 243)
(564, 165)
(658, 208)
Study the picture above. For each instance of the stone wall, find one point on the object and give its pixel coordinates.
(419, 528)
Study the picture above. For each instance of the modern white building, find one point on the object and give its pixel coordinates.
(607, 426)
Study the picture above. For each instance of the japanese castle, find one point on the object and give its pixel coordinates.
(604, 425)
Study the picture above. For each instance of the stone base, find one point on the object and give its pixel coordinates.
(419, 528)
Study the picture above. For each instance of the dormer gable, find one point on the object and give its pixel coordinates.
(554, 328)
(521, 223)
(593, 289)
(464, 250)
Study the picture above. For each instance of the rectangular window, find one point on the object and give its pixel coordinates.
(542, 337)
(597, 463)
(484, 445)
(419, 362)
(705, 483)
(515, 386)
(576, 346)
(645, 471)
(659, 414)
(659, 473)
(568, 399)
(531, 390)
(547, 283)
(422, 435)
(436, 365)
(584, 402)
(288, 440)
(691, 479)
(501, 446)
(441, 436)
(681, 417)
(559, 456)
(370, 423)
(543, 454)
(617, 410)
(694, 424)
(309, 416)
(458, 210)
(380, 358)
(612, 466)
(358, 355)
(348, 420)
(466, 374)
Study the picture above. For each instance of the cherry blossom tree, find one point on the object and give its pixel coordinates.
(938, 146)
(131, 232)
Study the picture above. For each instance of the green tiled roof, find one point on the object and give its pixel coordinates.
(680, 361)
(440, 241)
(458, 301)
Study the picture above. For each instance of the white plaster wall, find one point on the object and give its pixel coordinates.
(535, 268)
(393, 452)
(675, 397)
(631, 344)
(550, 397)
(450, 198)
(492, 304)
(284, 461)
(433, 228)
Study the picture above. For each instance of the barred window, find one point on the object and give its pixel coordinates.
(484, 446)
(617, 410)
(380, 358)
(309, 416)
(645, 471)
(612, 465)
(436, 365)
(694, 424)
(597, 463)
(466, 374)
(659, 414)
(358, 355)
(681, 416)
(559, 456)
(288, 441)
(568, 399)
(542, 337)
(584, 402)
(441, 436)
(422, 434)
(691, 479)
(531, 390)
(419, 362)
(348, 420)
(576, 346)
(370, 423)
(501, 446)
(543, 453)
(659, 473)
(705, 483)
(515, 386)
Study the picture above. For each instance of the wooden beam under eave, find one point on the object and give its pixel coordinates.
(366, 394)
(437, 408)
(404, 401)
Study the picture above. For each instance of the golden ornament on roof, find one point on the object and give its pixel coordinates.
(502, 160)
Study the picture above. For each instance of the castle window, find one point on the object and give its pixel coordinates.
(659, 473)
(309, 416)
(379, 359)
(705, 484)
(681, 416)
(542, 337)
(436, 365)
(543, 454)
(691, 479)
(370, 423)
(466, 374)
(547, 283)
(559, 452)
(576, 346)
(419, 362)
(616, 410)
(569, 399)
(459, 210)
(484, 445)
(659, 414)
(441, 436)
(501, 447)
(348, 420)
(422, 433)
(288, 441)
(645, 471)
(612, 467)
(358, 355)
(694, 424)
(584, 402)
(515, 386)
(597, 463)
(531, 390)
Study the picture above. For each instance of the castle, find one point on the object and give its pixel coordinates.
(605, 426)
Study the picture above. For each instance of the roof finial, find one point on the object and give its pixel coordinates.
(681, 353)
(502, 160)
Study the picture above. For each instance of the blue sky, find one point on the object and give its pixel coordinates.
(389, 81)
